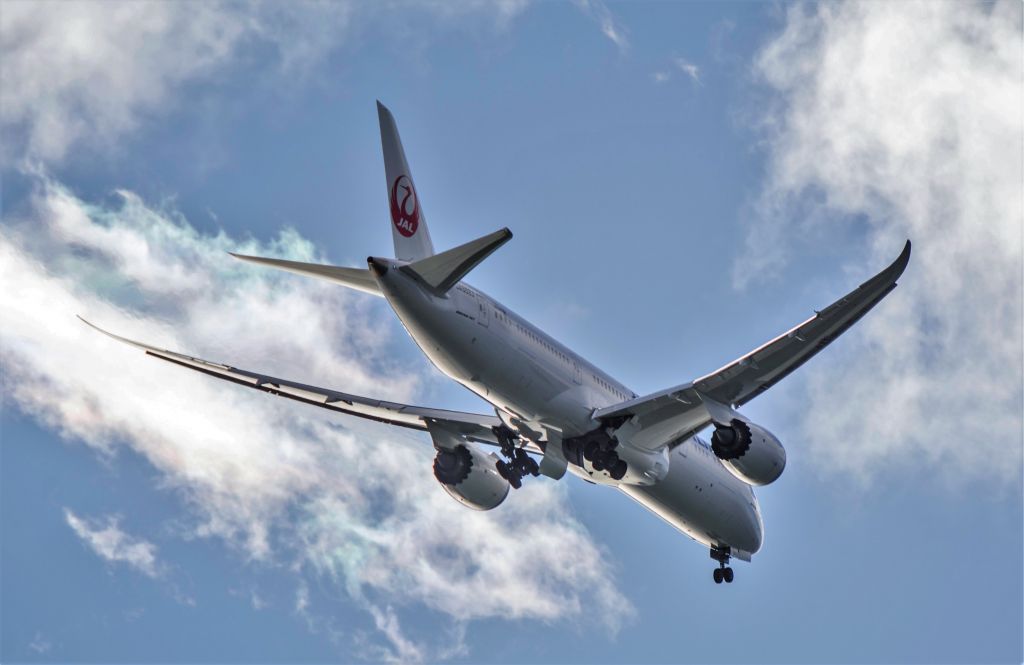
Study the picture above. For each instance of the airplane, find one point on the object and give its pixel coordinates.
(553, 410)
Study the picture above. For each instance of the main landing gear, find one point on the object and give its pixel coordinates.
(519, 463)
(723, 573)
(604, 458)
(597, 447)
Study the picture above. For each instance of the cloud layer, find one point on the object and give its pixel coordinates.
(87, 73)
(337, 500)
(904, 120)
(83, 75)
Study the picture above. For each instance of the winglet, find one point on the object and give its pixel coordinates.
(900, 264)
(894, 271)
(441, 272)
(131, 342)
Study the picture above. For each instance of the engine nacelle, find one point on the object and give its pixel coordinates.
(750, 452)
(470, 476)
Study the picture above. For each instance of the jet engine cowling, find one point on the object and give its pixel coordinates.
(470, 476)
(749, 452)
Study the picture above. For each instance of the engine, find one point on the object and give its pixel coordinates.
(751, 453)
(470, 476)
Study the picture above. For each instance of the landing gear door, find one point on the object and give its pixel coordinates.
(554, 464)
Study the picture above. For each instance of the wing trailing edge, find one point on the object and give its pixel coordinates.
(471, 426)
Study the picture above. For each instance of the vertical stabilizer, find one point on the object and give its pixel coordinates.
(408, 227)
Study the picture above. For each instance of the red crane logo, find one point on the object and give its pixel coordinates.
(405, 214)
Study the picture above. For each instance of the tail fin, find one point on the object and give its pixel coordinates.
(409, 228)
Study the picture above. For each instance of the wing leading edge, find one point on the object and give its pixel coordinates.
(679, 412)
(476, 427)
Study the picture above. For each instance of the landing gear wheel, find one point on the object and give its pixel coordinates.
(723, 572)
(502, 468)
(524, 464)
(532, 467)
(618, 471)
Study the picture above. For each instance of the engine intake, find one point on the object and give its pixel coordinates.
(451, 467)
(749, 452)
(470, 476)
(731, 441)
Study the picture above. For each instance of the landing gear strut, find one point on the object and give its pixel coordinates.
(723, 573)
(519, 463)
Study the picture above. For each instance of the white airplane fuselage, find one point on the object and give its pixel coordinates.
(527, 375)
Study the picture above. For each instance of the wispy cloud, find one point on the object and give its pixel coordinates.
(606, 21)
(40, 644)
(349, 502)
(688, 68)
(679, 65)
(904, 120)
(81, 74)
(111, 543)
(84, 75)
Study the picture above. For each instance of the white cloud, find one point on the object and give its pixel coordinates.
(106, 538)
(606, 21)
(353, 504)
(679, 64)
(904, 120)
(83, 75)
(40, 644)
(688, 68)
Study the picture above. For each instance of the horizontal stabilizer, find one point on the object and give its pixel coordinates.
(355, 278)
(442, 271)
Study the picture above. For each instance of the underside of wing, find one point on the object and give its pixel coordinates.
(679, 412)
(475, 427)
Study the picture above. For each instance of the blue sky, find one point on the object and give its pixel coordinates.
(683, 180)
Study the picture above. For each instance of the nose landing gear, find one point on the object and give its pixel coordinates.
(723, 573)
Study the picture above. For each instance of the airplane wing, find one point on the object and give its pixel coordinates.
(472, 426)
(677, 413)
